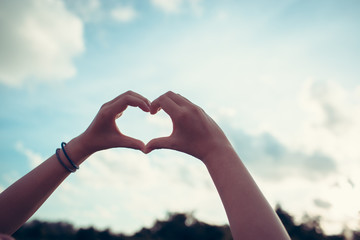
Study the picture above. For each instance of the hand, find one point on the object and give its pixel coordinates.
(194, 132)
(103, 132)
(5, 237)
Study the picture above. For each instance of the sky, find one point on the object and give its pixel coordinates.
(281, 78)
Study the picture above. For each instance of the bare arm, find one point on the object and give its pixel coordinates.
(21, 200)
(250, 215)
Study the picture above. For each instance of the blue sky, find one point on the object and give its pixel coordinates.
(280, 77)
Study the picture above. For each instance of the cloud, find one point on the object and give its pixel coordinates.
(39, 40)
(33, 158)
(168, 6)
(175, 6)
(10, 177)
(124, 14)
(196, 7)
(93, 11)
(332, 122)
(352, 184)
(87, 10)
(326, 100)
(125, 190)
(338, 202)
(325, 145)
(322, 203)
(267, 157)
(144, 126)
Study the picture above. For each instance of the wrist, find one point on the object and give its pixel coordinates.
(218, 152)
(78, 150)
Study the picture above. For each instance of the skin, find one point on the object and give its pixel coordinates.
(5, 237)
(21, 200)
(194, 132)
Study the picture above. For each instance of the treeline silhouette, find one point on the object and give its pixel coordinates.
(178, 226)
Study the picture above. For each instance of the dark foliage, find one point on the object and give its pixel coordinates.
(37, 230)
(178, 226)
(309, 230)
(183, 226)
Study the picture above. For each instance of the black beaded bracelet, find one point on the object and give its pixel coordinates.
(63, 144)
(61, 162)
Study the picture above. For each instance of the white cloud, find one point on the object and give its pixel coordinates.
(10, 177)
(38, 41)
(175, 6)
(88, 10)
(169, 6)
(270, 159)
(196, 7)
(327, 103)
(332, 121)
(34, 158)
(144, 126)
(325, 184)
(127, 190)
(124, 14)
(322, 203)
(330, 124)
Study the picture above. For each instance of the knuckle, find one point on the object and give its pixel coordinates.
(104, 110)
(161, 98)
(104, 106)
(183, 115)
(195, 110)
(102, 114)
(126, 98)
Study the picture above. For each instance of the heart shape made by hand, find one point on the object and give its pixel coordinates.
(144, 126)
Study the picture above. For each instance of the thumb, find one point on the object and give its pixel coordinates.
(159, 143)
(133, 143)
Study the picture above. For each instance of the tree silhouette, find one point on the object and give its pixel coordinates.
(309, 230)
(177, 226)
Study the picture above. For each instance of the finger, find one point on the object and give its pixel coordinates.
(130, 93)
(121, 104)
(177, 98)
(139, 103)
(159, 143)
(185, 100)
(140, 97)
(119, 115)
(133, 143)
(165, 103)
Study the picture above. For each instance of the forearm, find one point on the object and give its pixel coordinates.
(250, 215)
(24, 197)
(21, 200)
